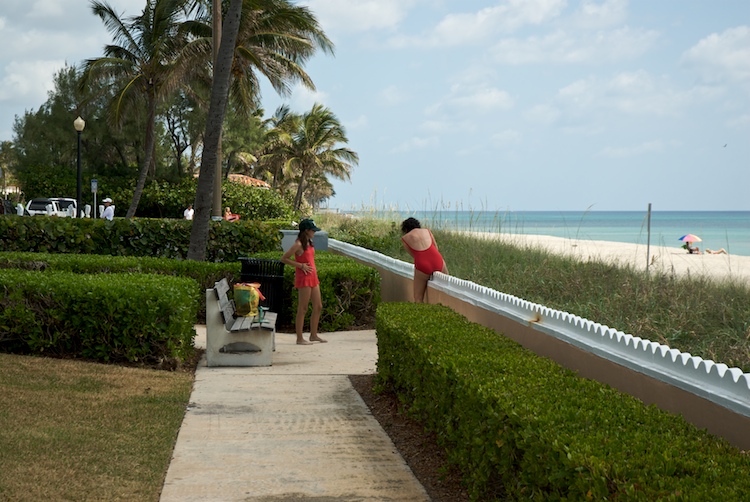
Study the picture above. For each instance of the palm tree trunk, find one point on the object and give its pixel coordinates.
(217, 109)
(147, 157)
(300, 189)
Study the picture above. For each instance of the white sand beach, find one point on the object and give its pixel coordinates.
(660, 258)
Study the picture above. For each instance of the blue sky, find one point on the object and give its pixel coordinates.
(491, 105)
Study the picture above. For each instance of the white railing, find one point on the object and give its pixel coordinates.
(716, 382)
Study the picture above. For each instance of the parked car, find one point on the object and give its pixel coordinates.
(65, 204)
(37, 207)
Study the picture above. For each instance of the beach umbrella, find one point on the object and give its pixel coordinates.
(690, 238)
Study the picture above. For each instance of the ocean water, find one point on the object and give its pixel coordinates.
(718, 229)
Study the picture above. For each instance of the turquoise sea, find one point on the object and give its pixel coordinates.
(718, 229)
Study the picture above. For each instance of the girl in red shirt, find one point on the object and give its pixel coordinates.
(305, 280)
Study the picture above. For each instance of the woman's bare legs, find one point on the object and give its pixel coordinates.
(299, 324)
(420, 285)
(317, 308)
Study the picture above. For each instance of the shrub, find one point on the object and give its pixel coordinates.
(166, 238)
(521, 427)
(205, 274)
(350, 291)
(118, 318)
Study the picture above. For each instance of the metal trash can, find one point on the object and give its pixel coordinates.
(270, 275)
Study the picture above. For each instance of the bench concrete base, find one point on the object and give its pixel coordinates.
(252, 346)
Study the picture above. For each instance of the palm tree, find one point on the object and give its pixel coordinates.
(147, 67)
(216, 111)
(275, 39)
(313, 150)
(276, 141)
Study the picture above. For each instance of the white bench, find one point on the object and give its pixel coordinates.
(236, 341)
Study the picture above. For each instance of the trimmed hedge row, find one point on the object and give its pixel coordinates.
(163, 238)
(204, 273)
(521, 427)
(350, 290)
(115, 318)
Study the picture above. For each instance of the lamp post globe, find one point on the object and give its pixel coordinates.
(79, 124)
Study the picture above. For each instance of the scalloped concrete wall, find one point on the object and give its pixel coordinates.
(709, 395)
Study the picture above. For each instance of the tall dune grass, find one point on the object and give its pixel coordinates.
(698, 315)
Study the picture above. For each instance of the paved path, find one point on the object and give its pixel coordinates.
(294, 431)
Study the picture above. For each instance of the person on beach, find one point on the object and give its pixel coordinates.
(305, 280)
(691, 249)
(420, 244)
(718, 251)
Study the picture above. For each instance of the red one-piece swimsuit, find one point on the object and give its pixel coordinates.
(301, 279)
(429, 260)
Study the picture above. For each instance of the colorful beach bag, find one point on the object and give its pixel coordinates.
(247, 295)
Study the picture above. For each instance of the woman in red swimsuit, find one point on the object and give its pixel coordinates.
(305, 280)
(420, 243)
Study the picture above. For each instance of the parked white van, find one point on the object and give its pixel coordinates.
(54, 206)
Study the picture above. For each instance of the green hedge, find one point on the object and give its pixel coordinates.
(349, 290)
(523, 428)
(204, 273)
(117, 318)
(163, 238)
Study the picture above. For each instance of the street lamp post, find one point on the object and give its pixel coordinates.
(79, 124)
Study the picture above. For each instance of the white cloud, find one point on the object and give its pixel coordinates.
(46, 9)
(631, 93)
(360, 122)
(468, 28)
(393, 95)
(359, 15)
(722, 55)
(542, 114)
(632, 151)
(473, 100)
(740, 121)
(302, 99)
(436, 126)
(561, 47)
(416, 143)
(594, 15)
(29, 81)
(506, 137)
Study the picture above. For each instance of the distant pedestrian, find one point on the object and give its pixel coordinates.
(188, 213)
(420, 244)
(109, 209)
(305, 280)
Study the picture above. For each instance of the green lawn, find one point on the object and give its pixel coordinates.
(72, 430)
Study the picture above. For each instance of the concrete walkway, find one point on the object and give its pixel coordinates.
(294, 431)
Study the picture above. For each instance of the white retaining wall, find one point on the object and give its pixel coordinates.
(718, 383)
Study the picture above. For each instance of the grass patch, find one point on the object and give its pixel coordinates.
(75, 430)
(707, 318)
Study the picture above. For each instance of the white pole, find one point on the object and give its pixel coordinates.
(648, 244)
